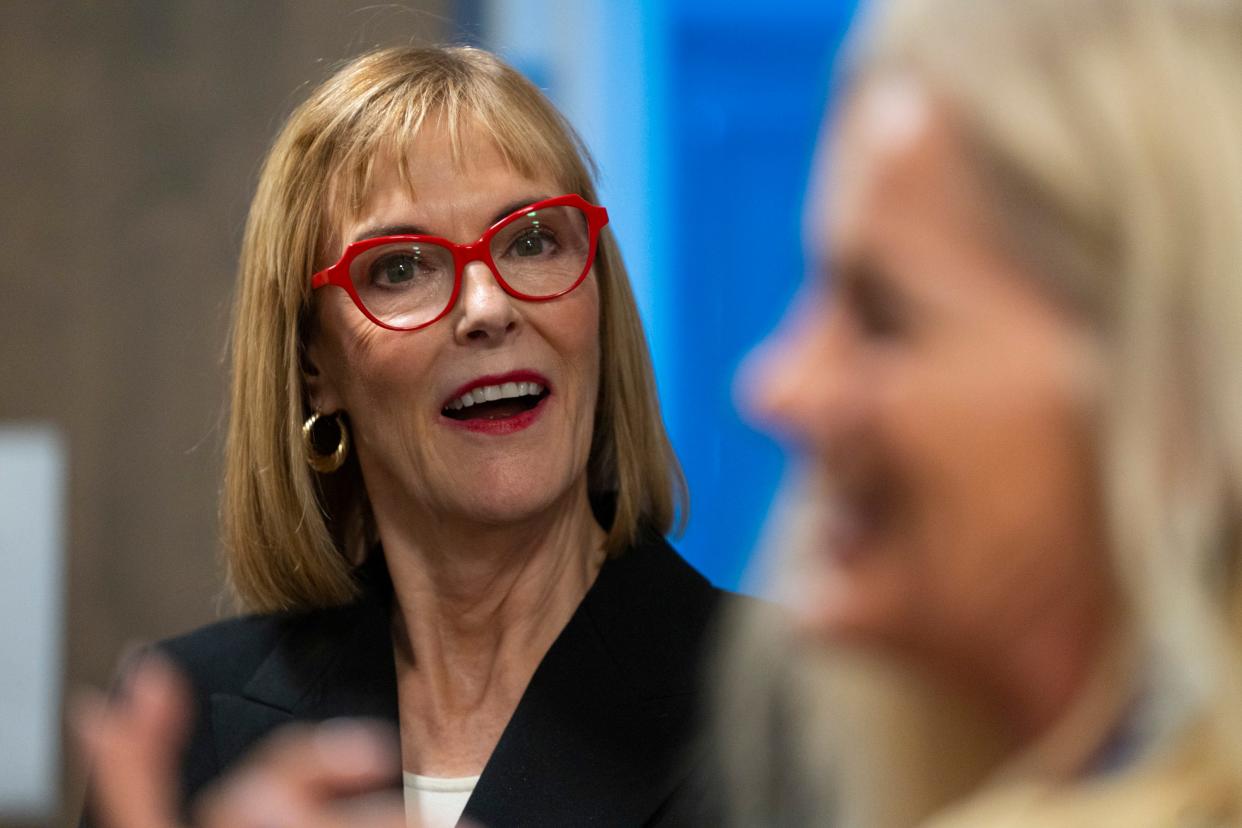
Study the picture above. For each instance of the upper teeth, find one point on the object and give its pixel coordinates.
(487, 393)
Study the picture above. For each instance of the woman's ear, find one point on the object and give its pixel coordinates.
(321, 390)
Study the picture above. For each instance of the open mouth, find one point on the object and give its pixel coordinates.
(859, 524)
(495, 402)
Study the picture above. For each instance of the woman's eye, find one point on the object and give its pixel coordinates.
(533, 243)
(876, 308)
(393, 270)
(878, 317)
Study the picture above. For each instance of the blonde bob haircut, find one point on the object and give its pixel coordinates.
(293, 537)
(1107, 136)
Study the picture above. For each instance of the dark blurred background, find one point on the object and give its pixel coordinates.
(131, 136)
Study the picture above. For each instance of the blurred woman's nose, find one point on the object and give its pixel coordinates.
(486, 313)
(794, 383)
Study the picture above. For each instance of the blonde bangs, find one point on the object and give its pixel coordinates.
(385, 115)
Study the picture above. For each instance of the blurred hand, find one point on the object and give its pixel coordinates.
(310, 776)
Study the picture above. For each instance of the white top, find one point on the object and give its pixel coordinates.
(436, 802)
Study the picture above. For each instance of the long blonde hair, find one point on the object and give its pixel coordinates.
(291, 535)
(1108, 134)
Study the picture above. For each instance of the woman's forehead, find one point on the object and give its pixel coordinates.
(878, 117)
(885, 122)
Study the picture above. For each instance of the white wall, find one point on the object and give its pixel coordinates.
(32, 521)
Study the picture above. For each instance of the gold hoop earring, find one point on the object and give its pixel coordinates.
(325, 463)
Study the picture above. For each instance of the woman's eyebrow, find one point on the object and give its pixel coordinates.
(513, 207)
(415, 230)
(391, 230)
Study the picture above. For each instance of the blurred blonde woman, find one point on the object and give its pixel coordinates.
(1016, 380)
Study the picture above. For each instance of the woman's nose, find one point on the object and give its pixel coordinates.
(486, 312)
(795, 382)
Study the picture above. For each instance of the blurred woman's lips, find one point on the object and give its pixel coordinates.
(497, 403)
(852, 525)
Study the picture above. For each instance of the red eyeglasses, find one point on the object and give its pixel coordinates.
(537, 253)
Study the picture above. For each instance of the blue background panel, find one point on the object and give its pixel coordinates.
(745, 97)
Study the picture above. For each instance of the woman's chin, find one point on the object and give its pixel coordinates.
(514, 506)
(855, 604)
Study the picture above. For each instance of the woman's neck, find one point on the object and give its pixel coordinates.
(1084, 707)
(476, 608)
(465, 593)
(1056, 691)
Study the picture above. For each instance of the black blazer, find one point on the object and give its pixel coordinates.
(603, 735)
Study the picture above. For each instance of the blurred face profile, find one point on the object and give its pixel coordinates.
(942, 400)
(486, 414)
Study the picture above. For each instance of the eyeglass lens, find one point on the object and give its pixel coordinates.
(538, 254)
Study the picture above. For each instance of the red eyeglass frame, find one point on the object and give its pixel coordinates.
(464, 254)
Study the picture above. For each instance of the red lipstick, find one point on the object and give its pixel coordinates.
(498, 425)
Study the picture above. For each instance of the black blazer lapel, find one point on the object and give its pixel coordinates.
(601, 734)
(336, 662)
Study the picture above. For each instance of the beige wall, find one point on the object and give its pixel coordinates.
(131, 133)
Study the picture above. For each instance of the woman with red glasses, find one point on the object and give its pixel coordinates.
(446, 489)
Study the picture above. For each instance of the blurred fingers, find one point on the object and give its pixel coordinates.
(311, 776)
(131, 745)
